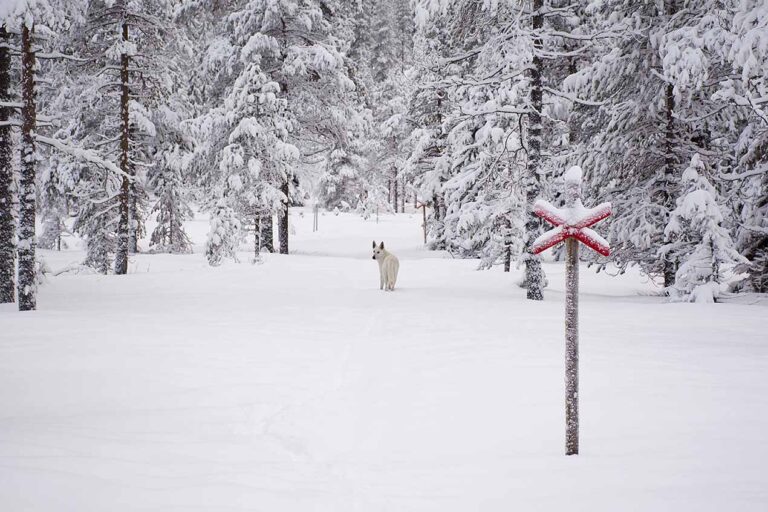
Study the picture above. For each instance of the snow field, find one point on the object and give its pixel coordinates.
(296, 385)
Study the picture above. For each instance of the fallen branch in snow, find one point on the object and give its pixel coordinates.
(74, 268)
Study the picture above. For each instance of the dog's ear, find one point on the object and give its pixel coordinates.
(382, 246)
(374, 244)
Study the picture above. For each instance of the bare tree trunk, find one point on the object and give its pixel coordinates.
(534, 275)
(27, 291)
(282, 225)
(123, 227)
(7, 224)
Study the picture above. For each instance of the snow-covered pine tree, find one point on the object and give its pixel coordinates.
(225, 233)
(257, 153)
(292, 40)
(429, 107)
(53, 206)
(697, 238)
(505, 63)
(343, 160)
(745, 51)
(171, 149)
(651, 67)
(290, 43)
(391, 54)
(171, 206)
(340, 183)
(123, 40)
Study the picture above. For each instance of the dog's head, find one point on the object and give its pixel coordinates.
(378, 250)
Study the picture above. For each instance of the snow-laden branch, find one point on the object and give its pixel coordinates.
(11, 104)
(744, 175)
(58, 55)
(87, 155)
(574, 98)
(699, 118)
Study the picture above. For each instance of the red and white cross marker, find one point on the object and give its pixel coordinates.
(571, 221)
(571, 224)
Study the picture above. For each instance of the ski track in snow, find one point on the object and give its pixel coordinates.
(296, 385)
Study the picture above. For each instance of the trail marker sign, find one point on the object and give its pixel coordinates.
(572, 226)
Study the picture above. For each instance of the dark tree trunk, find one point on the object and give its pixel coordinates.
(133, 227)
(267, 236)
(124, 224)
(27, 291)
(507, 245)
(395, 190)
(7, 224)
(256, 236)
(670, 266)
(282, 221)
(534, 278)
(666, 196)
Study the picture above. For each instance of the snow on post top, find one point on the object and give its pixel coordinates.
(573, 175)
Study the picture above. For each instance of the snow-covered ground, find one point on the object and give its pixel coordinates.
(296, 385)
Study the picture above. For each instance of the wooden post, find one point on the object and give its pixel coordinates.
(572, 347)
(315, 212)
(572, 199)
(571, 225)
(424, 221)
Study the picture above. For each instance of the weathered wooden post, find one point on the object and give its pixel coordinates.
(316, 214)
(571, 224)
(423, 207)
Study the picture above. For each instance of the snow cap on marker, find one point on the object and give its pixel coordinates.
(573, 175)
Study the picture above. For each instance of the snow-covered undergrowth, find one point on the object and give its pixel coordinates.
(296, 385)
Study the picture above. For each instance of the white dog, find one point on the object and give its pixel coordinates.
(388, 267)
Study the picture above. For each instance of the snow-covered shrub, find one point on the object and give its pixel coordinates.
(224, 235)
(697, 240)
